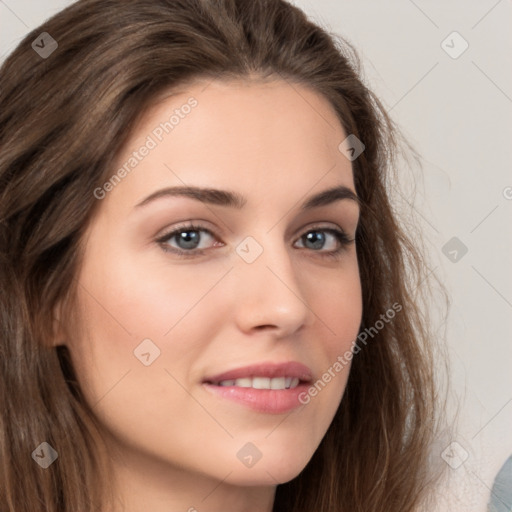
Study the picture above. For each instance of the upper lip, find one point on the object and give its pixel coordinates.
(288, 369)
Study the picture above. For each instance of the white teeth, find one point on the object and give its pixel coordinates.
(263, 382)
(278, 383)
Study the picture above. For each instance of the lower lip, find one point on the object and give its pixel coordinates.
(270, 401)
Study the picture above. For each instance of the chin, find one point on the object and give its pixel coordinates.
(276, 469)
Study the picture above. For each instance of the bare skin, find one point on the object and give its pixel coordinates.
(175, 443)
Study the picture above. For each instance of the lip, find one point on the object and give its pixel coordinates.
(270, 401)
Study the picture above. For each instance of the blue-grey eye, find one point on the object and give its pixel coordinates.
(188, 238)
(316, 238)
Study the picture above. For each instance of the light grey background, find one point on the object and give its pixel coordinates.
(457, 113)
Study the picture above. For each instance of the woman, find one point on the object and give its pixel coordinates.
(205, 300)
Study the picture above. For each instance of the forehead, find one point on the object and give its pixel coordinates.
(253, 136)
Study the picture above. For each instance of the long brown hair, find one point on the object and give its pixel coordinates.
(63, 119)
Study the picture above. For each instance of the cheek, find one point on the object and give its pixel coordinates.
(337, 304)
(130, 309)
(128, 320)
(135, 300)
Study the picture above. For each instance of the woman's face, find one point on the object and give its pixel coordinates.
(260, 280)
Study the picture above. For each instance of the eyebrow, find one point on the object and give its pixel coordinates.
(235, 200)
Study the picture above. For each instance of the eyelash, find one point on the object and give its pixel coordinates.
(340, 236)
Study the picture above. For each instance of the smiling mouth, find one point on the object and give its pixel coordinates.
(266, 387)
(260, 382)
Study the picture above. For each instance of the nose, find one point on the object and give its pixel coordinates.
(270, 293)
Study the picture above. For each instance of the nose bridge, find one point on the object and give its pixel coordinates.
(269, 288)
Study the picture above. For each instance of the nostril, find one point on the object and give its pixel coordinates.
(267, 326)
